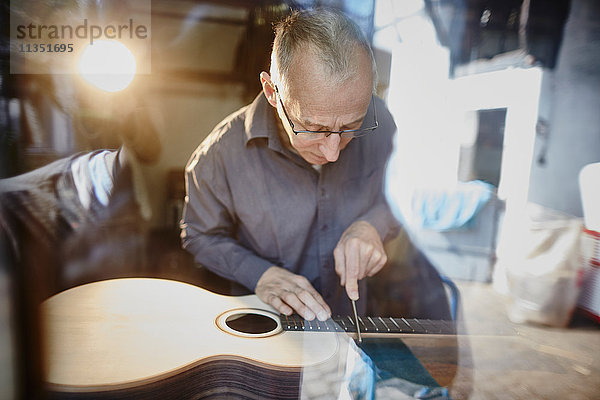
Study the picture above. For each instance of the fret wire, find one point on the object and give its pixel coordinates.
(287, 321)
(376, 328)
(344, 325)
(419, 325)
(384, 324)
(309, 325)
(336, 321)
(427, 325)
(336, 326)
(438, 328)
(395, 323)
(433, 327)
(407, 324)
(364, 328)
(444, 328)
(450, 326)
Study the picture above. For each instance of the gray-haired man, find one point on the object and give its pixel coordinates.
(285, 195)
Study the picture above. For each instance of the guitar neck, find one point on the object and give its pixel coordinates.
(369, 325)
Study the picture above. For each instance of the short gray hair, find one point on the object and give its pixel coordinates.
(332, 34)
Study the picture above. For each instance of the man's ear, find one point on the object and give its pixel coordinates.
(268, 88)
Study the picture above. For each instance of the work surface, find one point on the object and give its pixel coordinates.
(533, 362)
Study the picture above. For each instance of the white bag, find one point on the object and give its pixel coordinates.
(543, 266)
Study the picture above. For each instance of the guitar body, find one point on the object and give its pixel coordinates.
(155, 338)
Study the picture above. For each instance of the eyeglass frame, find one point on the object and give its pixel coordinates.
(363, 131)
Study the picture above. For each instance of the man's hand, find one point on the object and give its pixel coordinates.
(288, 292)
(358, 254)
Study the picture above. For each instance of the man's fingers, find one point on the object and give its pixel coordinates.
(302, 301)
(279, 305)
(379, 265)
(288, 293)
(316, 296)
(352, 272)
(297, 304)
(376, 260)
(367, 256)
(352, 289)
(358, 254)
(315, 303)
(340, 264)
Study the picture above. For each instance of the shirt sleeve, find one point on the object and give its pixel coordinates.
(209, 223)
(382, 218)
(379, 213)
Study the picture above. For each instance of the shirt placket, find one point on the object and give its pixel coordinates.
(325, 225)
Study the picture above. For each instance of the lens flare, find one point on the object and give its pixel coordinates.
(108, 65)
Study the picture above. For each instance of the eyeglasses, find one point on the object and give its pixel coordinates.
(347, 133)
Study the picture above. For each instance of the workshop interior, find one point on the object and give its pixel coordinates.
(494, 177)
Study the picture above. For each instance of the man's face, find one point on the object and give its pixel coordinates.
(312, 103)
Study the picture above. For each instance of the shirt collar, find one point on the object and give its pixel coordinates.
(261, 121)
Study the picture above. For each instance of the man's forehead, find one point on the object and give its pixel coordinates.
(317, 97)
(308, 67)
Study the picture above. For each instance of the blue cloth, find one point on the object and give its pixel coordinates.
(387, 369)
(444, 210)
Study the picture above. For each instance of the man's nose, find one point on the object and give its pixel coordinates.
(330, 147)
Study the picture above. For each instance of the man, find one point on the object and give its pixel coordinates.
(285, 195)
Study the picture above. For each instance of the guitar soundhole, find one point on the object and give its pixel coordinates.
(251, 323)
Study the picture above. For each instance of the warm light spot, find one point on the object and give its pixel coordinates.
(108, 65)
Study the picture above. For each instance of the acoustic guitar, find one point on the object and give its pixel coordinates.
(156, 338)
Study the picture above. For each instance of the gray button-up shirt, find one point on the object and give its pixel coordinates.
(252, 203)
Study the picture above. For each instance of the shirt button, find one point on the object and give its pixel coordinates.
(324, 228)
(323, 193)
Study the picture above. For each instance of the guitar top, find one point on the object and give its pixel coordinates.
(124, 332)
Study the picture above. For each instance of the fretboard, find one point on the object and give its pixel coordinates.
(387, 325)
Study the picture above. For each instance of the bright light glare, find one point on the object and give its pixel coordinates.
(108, 65)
